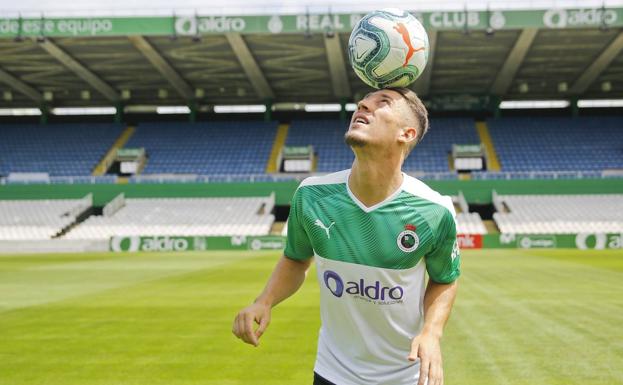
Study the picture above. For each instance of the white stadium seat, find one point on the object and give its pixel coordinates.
(470, 223)
(562, 214)
(183, 217)
(37, 219)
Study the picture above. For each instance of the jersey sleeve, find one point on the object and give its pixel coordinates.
(298, 245)
(443, 262)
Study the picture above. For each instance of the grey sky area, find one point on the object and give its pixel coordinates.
(241, 7)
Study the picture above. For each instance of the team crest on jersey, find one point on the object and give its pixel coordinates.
(408, 240)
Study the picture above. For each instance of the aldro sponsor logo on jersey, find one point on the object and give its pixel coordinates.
(408, 240)
(375, 292)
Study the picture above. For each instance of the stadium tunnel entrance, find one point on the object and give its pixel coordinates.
(485, 210)
(281, 212)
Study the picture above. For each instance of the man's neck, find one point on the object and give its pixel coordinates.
(374, 181)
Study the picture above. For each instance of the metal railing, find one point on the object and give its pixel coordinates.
(257, 178)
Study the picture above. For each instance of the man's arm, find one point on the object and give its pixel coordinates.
(438, 301)
(286, 279)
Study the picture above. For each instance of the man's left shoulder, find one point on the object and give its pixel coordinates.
(420, 189)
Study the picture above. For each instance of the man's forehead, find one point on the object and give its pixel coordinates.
(384, 93)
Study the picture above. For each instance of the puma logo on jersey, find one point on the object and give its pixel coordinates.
(325, 228)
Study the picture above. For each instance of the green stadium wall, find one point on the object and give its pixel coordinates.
(478, 192)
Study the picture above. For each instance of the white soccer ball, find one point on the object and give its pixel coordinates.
(388, 48)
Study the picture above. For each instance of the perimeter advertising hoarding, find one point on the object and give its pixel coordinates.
(469, 241)
(583, 241)
(194, 243)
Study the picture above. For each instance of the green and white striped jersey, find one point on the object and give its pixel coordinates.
(371, 264)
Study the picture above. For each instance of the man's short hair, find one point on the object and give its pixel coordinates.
(419, 112)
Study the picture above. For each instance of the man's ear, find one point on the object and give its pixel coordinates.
(408, 135)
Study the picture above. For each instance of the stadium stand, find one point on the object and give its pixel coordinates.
(56, 149)
(206, 148)
(470, 223)
(327, 137)
(541, 214)
(466, 222)
(182, 217)
(431, 155)
(38, 219)
(558, 143)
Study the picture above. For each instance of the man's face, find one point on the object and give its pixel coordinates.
(378, 121)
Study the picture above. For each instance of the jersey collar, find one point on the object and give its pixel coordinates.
(367, 209)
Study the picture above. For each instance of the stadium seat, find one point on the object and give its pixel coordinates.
(37, 219)
(431, 155)
(205, 148)
(562, 214)
(57, 149)
(558, 143)
(182, 217)
(470, 223)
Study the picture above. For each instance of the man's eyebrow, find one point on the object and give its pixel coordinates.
(386, 95)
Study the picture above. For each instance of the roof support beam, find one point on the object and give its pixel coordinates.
(422, 85)
(165, 69)
(506, 75)
(598, 66)
(250, 66)
(80, 70)
(337, 66)
(20, 86)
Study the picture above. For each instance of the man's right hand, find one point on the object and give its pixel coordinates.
(243, 324)
(286, 279)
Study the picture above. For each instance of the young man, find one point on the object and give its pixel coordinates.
(373, 232)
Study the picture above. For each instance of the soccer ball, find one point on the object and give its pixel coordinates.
(388, 48)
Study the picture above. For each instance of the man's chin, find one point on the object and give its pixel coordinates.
(354, 140)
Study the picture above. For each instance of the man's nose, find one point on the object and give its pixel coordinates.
(363, 105)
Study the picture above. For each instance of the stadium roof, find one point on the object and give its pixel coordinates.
(476, 56)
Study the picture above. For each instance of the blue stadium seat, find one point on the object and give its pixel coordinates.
(206, 148)
(58, 149)
(558, 143)
(327, 137)
(431, 155)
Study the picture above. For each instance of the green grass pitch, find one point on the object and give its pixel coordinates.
(521, 317)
